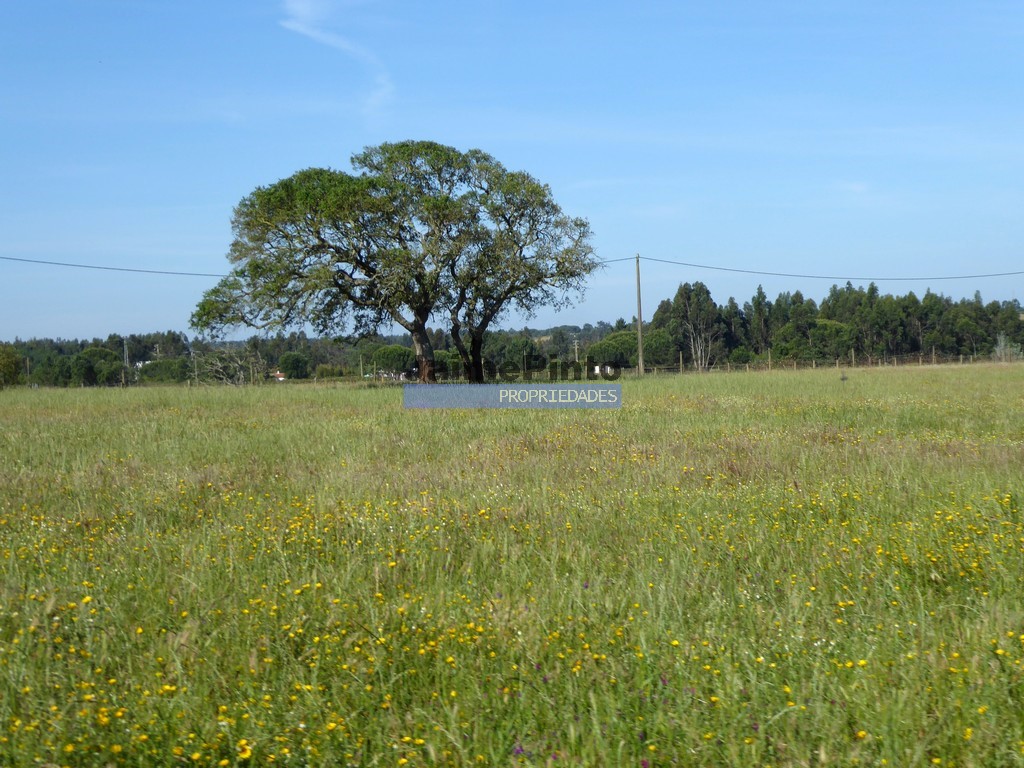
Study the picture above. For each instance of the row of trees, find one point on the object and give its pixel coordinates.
(690, 325)
(116, 360)
(850, 321)
(170, 356)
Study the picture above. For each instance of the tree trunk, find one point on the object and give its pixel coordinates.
(456, 333)
(424, 356)
(699, 349)
(476, 354)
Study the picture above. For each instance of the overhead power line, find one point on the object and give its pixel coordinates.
(927, 278)
(111, 269)
(830, 277)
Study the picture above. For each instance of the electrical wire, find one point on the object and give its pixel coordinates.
(112, 269)
(602, 261)
(833, 277)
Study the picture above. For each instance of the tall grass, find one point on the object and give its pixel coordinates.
(780, 568)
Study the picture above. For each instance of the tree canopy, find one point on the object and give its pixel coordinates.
(421, 231)
(393, 359)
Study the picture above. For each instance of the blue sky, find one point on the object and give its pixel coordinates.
(861, 139)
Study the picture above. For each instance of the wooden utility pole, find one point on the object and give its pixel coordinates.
(639, 324)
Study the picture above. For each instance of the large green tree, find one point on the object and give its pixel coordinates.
(421, 230)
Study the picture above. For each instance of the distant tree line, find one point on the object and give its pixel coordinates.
(849, 323)
(114, 361)
(171, 357)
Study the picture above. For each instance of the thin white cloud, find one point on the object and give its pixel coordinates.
(310, 18)
(312, 12)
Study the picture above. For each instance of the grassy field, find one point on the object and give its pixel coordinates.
(776, 568)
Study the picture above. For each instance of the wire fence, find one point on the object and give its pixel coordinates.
(850, 362)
